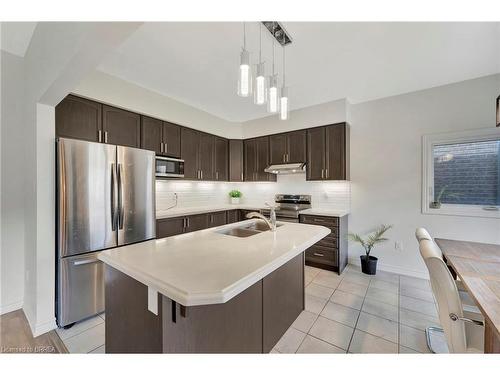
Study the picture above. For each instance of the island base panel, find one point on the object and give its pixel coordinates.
(130, 326)
(231, 327)
(251, 322)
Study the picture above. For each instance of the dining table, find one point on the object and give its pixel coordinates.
(478, 266)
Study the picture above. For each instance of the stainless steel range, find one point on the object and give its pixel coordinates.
(288, 206)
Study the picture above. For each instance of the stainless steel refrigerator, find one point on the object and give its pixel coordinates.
(105, 198)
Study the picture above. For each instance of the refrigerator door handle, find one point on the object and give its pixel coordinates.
(120, 196)
(114, 198)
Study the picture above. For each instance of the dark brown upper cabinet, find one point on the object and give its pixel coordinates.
(121, 127)
(236, 160)
(198, 152)
(221, 159)
(151, 134)
(189, 152)
(79, 118)
(171, 135)
(161, 137)
(288, 147)
(257, 159)
(328, 152)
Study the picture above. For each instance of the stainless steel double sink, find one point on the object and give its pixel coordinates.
(247, 229)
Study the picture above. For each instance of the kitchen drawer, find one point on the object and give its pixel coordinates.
(326, 221)
(321, 254)
(330, 241)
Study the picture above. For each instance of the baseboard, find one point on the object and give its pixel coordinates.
(394, 269)
(38, 329)
(11, 307)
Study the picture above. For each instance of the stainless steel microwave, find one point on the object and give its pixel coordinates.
(169, 167)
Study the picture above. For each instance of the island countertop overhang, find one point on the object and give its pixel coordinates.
(207, 267)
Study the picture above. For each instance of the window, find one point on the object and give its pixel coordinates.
(462, 173)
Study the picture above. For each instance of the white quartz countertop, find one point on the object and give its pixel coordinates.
(181, 211)
(324, 212)
(207, 267)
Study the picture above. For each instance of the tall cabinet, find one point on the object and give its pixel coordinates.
(198, 152)
(328, 153)
(256, 157)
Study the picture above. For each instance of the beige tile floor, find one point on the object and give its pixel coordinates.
(357, 313)
(348, 313)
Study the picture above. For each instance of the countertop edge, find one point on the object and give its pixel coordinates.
(223, 296)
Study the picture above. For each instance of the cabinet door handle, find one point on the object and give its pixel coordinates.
(322, 173)
(318, 254)
(161, 147)
(187, 222)
(106, 136)
(287, 157)
(184, 223)
(284, 158)
(216, 175)
(201, 174)
(326, 173)
(241, 176)
(165, 147)
(99, 135)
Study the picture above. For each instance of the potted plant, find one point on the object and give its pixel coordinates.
(235, 196)
(368, 262)
(436, 203)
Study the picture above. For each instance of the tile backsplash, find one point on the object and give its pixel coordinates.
(327, 195)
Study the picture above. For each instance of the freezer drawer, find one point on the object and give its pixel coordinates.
(80, 288)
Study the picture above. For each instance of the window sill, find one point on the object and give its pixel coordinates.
(462, 210)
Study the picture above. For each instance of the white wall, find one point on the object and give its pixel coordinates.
(386, 165)
(120, 93)
(12, 197)
(317, 115)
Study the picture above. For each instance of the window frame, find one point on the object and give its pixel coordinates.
(428, 143)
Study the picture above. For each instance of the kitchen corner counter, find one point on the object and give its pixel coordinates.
(207, 267)
(324, 212)
(176, 212)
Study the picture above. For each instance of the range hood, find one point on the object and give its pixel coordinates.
(291, 168)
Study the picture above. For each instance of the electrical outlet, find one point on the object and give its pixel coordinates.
(398, 246)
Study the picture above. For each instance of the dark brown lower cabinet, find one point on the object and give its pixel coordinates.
(251, 322)
(217, 218)
(330, 253)
(184, 224)
(233, 216)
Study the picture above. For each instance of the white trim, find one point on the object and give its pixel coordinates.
(11, 307)
(390, 268)
(428, 142)
(153, 300)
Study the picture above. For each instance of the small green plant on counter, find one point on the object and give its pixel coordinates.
(235, 194)
(372, 239)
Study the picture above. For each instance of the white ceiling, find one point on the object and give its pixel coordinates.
(196, 63)
(16, 36)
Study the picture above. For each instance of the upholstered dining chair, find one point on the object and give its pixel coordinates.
(463, 334)
(422, 234)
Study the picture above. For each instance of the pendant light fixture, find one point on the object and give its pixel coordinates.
(245, 75)
(273, 101)
(260, 90)
(284, 104)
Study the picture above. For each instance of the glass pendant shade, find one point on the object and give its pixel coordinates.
(245, 75)
(260, 89)
(273, 100)
(284, 104)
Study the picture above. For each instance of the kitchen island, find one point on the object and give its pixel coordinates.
(233, 288)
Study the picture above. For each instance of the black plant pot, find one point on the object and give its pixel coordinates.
(369, 264)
